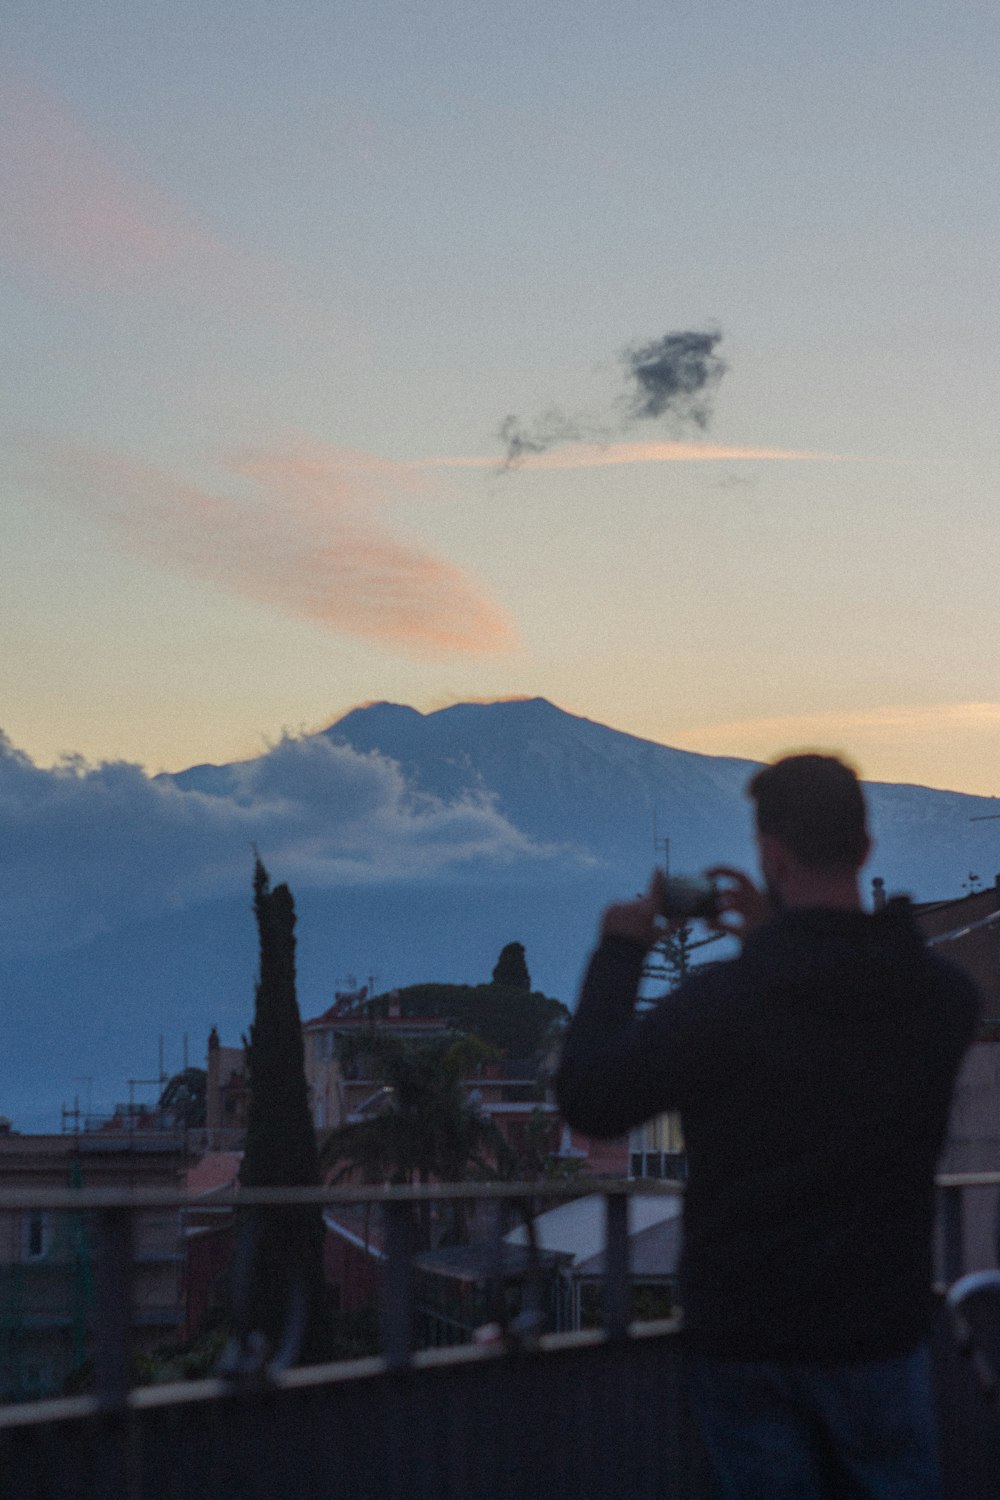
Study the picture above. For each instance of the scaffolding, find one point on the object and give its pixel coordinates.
(46, 1303)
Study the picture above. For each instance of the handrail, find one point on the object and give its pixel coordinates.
(967, 1179)
(248, 1360)
(77, 1199)
(113, 1209)
(307, 1377)
(13, 1199)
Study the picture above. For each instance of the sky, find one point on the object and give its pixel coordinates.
(273, 278)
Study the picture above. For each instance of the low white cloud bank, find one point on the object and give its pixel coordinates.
(90, 848)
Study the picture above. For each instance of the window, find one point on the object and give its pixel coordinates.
(37, 1234)
(656, 1149)
(663, 1133)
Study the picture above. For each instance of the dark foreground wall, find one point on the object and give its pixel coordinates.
(577, 1421)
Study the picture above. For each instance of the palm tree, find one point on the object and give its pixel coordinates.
(421, 1127)
(533, 1159)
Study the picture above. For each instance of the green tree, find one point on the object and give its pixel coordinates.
(519, 1023)
(533, 1157)
(280, 1148)
(511, 968)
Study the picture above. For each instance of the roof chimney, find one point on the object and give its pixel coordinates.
(878, 893)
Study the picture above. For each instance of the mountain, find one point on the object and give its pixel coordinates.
(416, 846)
(566, 779)
(570, 783)
(579, 783)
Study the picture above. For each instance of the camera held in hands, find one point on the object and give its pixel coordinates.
(689, 896)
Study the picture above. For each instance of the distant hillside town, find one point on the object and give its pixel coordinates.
(426, 1083)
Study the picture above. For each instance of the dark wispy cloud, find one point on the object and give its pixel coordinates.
(541, 433)
(671, 380)
(674, 376)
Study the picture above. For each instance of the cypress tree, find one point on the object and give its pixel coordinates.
(280, 1148)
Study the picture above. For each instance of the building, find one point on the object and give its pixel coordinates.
(466, 1293)
(575, 1232)
(227, 1093)
(656, 1149)
(47, 1260)
(966, 929)
(209, 1235)
(341, 1079)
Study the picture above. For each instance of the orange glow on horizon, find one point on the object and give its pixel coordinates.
(954, 746)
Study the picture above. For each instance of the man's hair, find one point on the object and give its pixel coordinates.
(814, 804)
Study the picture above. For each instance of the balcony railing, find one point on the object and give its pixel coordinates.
(590, 1414)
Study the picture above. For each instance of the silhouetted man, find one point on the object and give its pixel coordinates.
(814, 1075)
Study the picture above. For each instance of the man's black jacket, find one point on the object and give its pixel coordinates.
(814, 1076)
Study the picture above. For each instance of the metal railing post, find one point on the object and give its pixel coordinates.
(113, 1306)
(495, 1299)
(616, 1284)
(952, 1230)
(397, 1286)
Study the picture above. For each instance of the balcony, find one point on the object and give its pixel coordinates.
(597, 1413)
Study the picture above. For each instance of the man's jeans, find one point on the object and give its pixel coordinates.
(802, 1432)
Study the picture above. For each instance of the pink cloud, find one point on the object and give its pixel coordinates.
(603, 455)
(69, 207)
(77, 216)
(301, 538)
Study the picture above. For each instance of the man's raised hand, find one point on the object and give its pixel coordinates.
(743, 906)
(640, 920)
